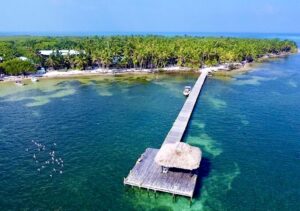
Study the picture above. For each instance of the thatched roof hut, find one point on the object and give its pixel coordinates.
(179, 155)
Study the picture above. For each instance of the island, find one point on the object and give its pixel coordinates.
(55, 56)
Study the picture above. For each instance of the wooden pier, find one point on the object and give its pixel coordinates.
(182, 120)
(148, 174)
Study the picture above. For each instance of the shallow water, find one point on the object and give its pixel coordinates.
(248, 128)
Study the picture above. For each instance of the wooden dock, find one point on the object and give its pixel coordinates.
(182, 120)
(147, 174)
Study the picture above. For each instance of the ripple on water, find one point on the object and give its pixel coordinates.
(243, 118)
(216, 103)
(251, 80)
(203, 140)
(199, 125)
(104, 90)
(36, 114)
(44, 99)
(172, 85)
(101, 85)
(44, 92)
(292, 83)
(88, 184)
(206, 143)
(212, 191)
(215, 189)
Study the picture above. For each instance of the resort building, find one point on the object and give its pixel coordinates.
(23, 58)
(62, 52)
(41, 71)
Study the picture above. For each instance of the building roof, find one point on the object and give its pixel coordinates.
(179, 155)
(62, 52)
(23, 58)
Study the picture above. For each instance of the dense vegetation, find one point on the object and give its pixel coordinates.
(136, 51)
(17, 67)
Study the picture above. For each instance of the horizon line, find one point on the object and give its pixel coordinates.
(160, 32)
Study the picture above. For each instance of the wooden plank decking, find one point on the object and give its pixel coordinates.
(147, 174)
(182, 120)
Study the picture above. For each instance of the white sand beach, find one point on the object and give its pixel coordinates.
(226, 67)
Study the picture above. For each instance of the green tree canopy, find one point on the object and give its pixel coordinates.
(17, 67)
(140, 51)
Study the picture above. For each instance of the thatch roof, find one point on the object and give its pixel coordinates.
(179, 155)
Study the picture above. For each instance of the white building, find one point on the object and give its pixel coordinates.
(62, 52)
(41, 71)
(23, 58)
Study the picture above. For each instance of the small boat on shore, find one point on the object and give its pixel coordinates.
(187, 90)
(34, 79)
(19, 83)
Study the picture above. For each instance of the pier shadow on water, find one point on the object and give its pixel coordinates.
(202, 172)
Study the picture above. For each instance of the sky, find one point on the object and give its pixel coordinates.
(265, 16)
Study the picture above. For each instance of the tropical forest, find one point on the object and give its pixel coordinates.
(132, 52)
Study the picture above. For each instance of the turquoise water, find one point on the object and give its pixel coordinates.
(248, 127)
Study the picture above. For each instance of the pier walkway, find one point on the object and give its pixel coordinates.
(182, 120)
(147, 174)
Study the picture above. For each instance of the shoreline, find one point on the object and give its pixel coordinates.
(225, 69)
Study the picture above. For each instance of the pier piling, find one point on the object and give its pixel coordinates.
(147, 173)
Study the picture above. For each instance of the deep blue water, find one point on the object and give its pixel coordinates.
(247, 125)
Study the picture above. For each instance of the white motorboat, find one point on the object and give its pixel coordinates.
(19, 83)
(187, 90)
(34, 79)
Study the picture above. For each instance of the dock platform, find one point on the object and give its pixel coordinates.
(147, 174)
